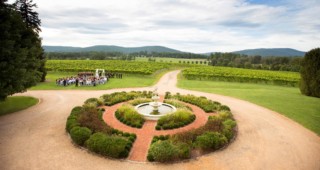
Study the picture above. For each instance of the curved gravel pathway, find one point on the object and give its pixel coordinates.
(35, 138)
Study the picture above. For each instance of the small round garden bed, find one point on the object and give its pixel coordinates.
(171, 138)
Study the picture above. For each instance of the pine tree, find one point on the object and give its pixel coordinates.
(29, 16)
(31, 19)
(20, 48)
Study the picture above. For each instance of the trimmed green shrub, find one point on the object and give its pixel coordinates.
(225, 115)
(89, 107)
(187, 137)
(202, 102)
(211, 140)
(76, 110)
(184, 151)
(138, 101)
(95, 101)
(167, 95)
(80, 134)
(163, 151)
(92, 120)
(72, 122)
(111, 146)
(229, 123)
(228, 126)
(131, 138)
(180, 118)
(214, 123)
(224, 108)
(72, 119)
(177, 104)
(129, 116)
(118, 97)
(150, 157)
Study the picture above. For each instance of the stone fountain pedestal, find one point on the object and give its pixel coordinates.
(155, 109)
(155, 104)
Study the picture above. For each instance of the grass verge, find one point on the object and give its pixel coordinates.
(16, 103)
(128, 80)
(284, 100)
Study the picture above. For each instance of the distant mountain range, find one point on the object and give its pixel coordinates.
(110, 48)
(271, 52)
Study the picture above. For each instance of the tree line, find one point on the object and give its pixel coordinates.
(256, 62)
(94, 55)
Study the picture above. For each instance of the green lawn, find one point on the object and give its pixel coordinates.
(285, 100)
(16, 103)
(128, 80)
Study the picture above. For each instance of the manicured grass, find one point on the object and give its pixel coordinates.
(16, 103)
(128, 80)
(285, 100)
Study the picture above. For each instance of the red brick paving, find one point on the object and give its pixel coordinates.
(140, 147)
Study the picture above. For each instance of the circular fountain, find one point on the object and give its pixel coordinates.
(155, 109)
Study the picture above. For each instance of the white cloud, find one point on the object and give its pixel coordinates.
(188, 25)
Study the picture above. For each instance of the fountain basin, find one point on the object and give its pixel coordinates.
(145, 109)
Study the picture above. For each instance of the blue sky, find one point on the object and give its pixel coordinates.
(187, 25)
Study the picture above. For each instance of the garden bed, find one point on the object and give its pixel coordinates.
(88, 129)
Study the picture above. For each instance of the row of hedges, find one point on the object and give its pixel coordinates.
(72, 119)
(87, 129)
(216, 133)
(140, 100)
(129, 116)
(118, 97)
(180, 118)
(177, 104)
(206, 104)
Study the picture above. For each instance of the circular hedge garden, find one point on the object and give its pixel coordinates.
(87, 128)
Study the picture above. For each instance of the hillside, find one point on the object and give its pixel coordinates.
(109, 48)
(271, 52)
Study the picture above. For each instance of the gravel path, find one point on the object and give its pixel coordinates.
(35, 138)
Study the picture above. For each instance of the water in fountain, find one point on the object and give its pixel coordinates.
(155, 109)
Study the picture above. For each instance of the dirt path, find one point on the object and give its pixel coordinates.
(35, 138)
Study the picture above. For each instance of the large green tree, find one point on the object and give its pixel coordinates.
(29, 16)
(31, 19)
(310, 73)
(20, 48)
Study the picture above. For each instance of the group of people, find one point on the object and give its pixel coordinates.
(87, 79)
(81, 81)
